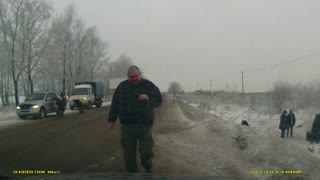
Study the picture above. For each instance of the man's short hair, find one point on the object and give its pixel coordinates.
(133, 68)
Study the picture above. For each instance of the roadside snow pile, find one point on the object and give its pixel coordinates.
(314, 148)
(259, 145)
(261, 118)
(8, 113)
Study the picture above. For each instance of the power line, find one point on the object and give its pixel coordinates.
(273, 65)
(305, 57)
(242, 82)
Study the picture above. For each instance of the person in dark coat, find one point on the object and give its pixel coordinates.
(283, 123)
(59, 103)
(315, 130)
(291, 122)
(133, 102)
(64, 103)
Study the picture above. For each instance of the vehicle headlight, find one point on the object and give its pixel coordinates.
(18, 107)
(35, 106)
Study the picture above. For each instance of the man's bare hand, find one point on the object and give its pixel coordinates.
(143, 97)
(112, 125)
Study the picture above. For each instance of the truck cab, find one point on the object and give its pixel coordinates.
(90, 92)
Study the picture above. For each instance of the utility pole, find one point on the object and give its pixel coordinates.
(211, 86)
(242, 73)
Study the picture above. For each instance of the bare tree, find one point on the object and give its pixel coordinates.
(79, 49)
(62, 31)
(37, 14)
(11, 12)
(120, 67)
(97, 50)
(47, 56)
(175, 88)
(281, 94)
(4, 76)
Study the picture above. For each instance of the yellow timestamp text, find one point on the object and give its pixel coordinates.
(35, 172)
(276, 172)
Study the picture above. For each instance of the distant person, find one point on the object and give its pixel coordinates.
(63, 103)
(291, 122)
(315, 130)
(133, 102)
(283, 126)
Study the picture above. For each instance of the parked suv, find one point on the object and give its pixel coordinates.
(38, 105)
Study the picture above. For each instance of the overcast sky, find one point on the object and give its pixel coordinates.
(195, 41)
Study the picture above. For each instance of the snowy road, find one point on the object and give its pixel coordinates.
(188, 141)
(8, 117)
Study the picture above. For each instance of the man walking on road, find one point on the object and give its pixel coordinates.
(133, 102)
(291, 122)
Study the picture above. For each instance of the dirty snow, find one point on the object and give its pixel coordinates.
(259, 146)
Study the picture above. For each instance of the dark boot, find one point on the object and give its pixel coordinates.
(146, 145)
(282, 133)
(149, 170)
(129, 147)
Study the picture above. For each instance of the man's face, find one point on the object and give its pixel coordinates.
(134, 77)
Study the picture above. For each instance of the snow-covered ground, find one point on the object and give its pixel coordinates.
(263, 149)
(236, 113)
(261, 119)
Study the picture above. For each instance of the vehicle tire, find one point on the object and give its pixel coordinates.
(89, 105)
(81, 109)
(98, 105)
(59, 113)
(71, 107)
(22, 117)
(42, 113)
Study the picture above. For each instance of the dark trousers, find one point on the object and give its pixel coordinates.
(291, 131)
(130, 136)
(62, 109)
(283, 131)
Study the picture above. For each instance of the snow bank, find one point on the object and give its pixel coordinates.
(260, 143)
